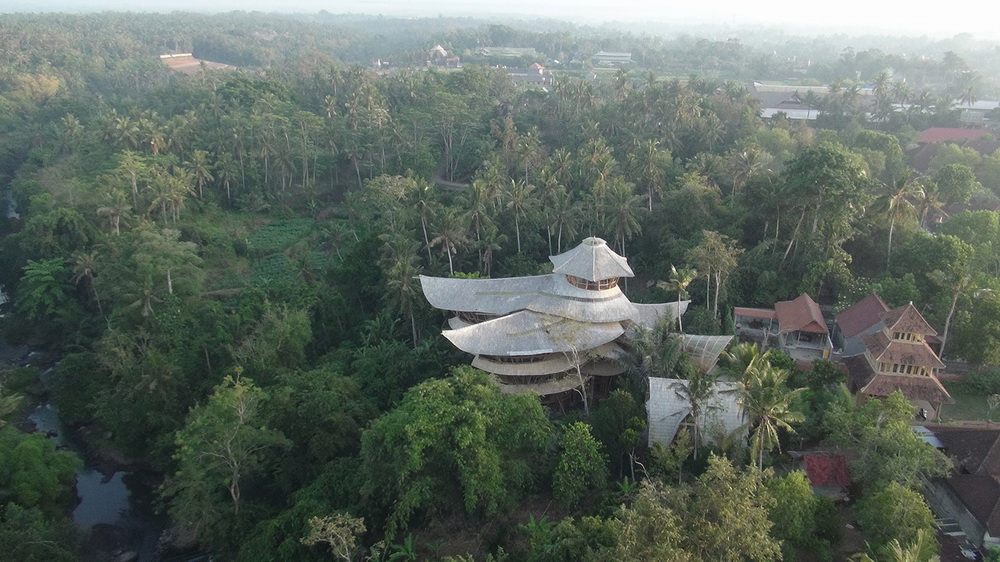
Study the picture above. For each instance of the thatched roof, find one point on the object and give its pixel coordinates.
(554, 363)
(704, 351)
(530, 333)
(547, 294)
(592, 260)
(667, 409)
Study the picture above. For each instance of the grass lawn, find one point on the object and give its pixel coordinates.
(970, 405)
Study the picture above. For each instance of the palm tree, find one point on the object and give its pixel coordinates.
(564, 215)
(403, 293)
(622, 209)
(928, 201)
(424, 202)
(896, 204)
(521, 202)
(83, 268)
(679, 281)
(200, 169)
(697, 391)
(767, 403)
(115, 207)
(450, 235)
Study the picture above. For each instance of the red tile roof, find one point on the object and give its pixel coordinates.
(827, 470)
(861, 315)
(885, 350)
(907, 319)
(864, 380)
(944, 134)
(800, 315)
(754, 312)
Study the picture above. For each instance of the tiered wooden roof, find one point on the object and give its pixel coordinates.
(883, 349)
(907, 319)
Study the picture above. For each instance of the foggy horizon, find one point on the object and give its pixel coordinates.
(852, 17)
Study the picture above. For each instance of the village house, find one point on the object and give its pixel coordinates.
(796, 326)
(970, 495)
(893, 354)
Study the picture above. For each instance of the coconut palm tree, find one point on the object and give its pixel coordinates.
(697, 391)
(896, 202)
(83, 268)
(201, 170)
(451, 235)
(622, 209)
(767, 403)
(521, 202)
(679, 281)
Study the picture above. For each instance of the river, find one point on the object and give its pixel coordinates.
(116, 507)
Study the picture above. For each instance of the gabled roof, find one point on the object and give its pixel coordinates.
(800, 315)
(826, 470)
(981, 496)
(592, 260)
(861, 315)
(944, 134)
(530, 333)
(886, 350)
(974, 450)
(907, 319)
(866, 381)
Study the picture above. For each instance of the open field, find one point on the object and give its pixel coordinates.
(187, 64)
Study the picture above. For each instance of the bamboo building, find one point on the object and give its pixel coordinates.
(553, 334)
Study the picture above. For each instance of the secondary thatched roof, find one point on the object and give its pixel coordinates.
(704, 351)
(546, 294)
(531, 333)
(592, 260)
(667, 409)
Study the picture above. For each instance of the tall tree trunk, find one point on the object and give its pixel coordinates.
(947, 323)
(170, 283)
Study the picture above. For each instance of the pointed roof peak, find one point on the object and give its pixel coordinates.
(907, 319)
(592, 260)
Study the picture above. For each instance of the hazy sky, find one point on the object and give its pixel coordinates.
(898, 16)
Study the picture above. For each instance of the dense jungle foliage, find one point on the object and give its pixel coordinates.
(226, 262)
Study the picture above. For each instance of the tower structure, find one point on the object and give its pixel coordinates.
(552, 335)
